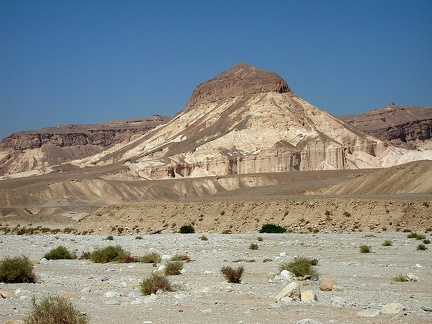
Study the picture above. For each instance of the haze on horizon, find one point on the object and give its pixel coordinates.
(80, 62)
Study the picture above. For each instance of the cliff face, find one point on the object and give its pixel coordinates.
(43, 148)
(401, 126)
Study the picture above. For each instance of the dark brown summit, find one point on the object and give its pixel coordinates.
(242, 79)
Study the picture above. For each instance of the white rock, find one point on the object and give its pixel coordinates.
(133, 294)
(369, 313)
(308, 321)
(286, 275)
(392, 308)
(418, 266)
(112, 302)
(43, 261)
(292, 290)
(161, 268)
(166, 257)
(283, 254)
(412, 277)
(308, 296)
(286, 300)
(111, 294)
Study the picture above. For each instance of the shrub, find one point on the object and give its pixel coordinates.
(154, 283)
(272, 228)
(420, 237)
(173, 268)
(16, 270)
(53, 310)
(138, 238)
(187, 229)
(153, 257)
(110, 238)
(412, 235)
(260, 239)
(426, 241)
(421, 247)
(365, 248)
(253, 246)
(387, 243)
(203, 238)
(59, 253)
(85, 256)
(110, 254)
(400, 278)
(232, 275)
(301, 267)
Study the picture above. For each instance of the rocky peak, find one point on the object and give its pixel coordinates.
(242, 79)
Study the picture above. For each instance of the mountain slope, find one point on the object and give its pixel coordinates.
(246, 120)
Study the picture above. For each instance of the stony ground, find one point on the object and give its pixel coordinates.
(109, 293)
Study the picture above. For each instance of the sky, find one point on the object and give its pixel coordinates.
(89, 61)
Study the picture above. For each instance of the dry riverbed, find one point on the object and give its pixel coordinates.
(109, 293)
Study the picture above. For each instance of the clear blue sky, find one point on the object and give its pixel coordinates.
(84, 61)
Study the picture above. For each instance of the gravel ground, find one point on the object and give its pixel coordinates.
(109, 293)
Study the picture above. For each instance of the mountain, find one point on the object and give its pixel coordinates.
(245, 120)
(406, 126)
(39, 150)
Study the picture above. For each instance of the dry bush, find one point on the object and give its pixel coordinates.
(59, 253)
(232, 275)
(17, 270)
(54, 310)
(154, 283)
(173, 268)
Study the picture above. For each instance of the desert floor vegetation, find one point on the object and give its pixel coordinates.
(232, 275)
(55, 310)
(17, 270)
(154, 283)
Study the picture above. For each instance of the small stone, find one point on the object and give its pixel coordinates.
(308, 296)
(338, 302)
(5, 294)
(111, 294)
(43, 261)
(308, 321)
(286, 300)
(283, 254)
(426, 309)
(392, 308)
(412, 277)
(286, 275)
(369, 313)
(134, 294)
(86, 290)
(418, 266)
(292, 290)
(327, 284)
(207, 311)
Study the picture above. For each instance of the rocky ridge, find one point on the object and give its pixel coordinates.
(47, 147)
(405, 126)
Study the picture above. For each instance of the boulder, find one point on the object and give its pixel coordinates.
(292, 291)
(308, 296)
(327, 284)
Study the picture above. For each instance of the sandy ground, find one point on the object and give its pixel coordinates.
(109, 293)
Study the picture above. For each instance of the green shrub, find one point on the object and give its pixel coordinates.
(253, 246)
(54, 310)
(301, 266)
(59, 253)
(387, 243)
(138, 237)
(173, 268)
(232, 275)
(421, 247)
(412, 235)
(272, 228)
(154, 283)
(17, 270)
(187, 229)
(400, 278)
(365, 248)
(420, 237)
(110, 254)
(426, 241)
(153, 257)
(110, 238)
(203, 238)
